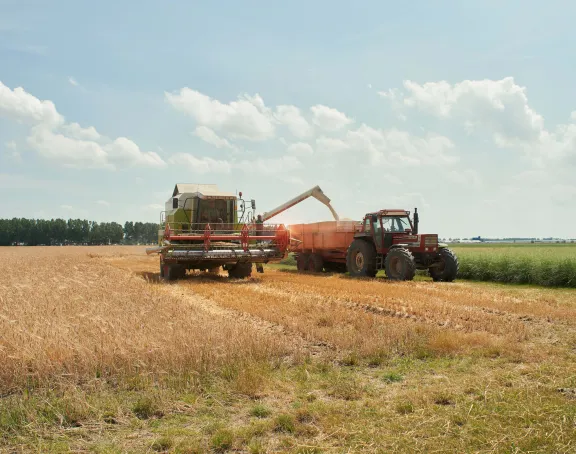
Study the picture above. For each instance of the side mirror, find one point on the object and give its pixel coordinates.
(253, 202)
(175, 203)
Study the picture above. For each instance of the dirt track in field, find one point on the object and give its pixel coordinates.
(330, 313)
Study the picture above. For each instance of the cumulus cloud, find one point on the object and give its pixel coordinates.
(200, 165)
(21, 106)
(209, 136)
(399, 148)
(69, 143)
(292, 117)
(246, 118)
(328, 118)
(300, 149)
(331, 145)
(103, 203)
(269, 166)
(499, 108)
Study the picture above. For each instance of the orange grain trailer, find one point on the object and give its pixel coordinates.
(322, 245)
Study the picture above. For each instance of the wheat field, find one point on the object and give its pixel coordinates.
(99, 355)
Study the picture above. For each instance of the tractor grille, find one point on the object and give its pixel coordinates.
(430, 241)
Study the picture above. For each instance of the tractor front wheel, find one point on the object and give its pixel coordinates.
(448, 268)
(400, 265)
(361, 258)
(240, 271)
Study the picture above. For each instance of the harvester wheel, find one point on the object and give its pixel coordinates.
(448, 268)
(315, 263)
(240, 271)
(169, 272)
(302, 262)
(361, 258)
(400, 265)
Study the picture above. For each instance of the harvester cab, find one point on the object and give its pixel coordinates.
(389, 240)
(204, 228)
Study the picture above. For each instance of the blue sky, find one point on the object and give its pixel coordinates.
(463, 109)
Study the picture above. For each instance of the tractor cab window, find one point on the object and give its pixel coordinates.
(396, 223)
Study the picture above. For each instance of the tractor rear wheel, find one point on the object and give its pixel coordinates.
(448, 268)
(302, 262)
(240, 271)
(361, 258)
(400, 265)
(315, 263)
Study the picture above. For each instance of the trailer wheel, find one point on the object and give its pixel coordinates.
(240, 271)
(315, 263)
(302, 262)
(361, 258)
(400, 265)
(448, 268)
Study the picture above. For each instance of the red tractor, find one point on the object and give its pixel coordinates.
(389, 240)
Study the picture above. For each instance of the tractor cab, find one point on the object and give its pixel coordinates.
(388, 227)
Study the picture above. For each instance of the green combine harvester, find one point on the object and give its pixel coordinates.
(203, 228)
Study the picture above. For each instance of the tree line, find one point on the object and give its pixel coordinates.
(35, 232)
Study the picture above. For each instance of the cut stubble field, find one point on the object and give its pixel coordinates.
(100, 355)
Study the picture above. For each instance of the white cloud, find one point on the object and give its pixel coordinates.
(72, 81)
(247, 118)
(300, 149)
(67, 207)
(465, 177)
(70, 143)
(269, 166)
(12, 151)
(399, 148)
(293, 119)
(73, 153)
(209, 136)
(21, 106)
(103, 203)
(125, 152)
(330, 145)
(497, 106)
(328, 118)
(78, 132)
(200, 165)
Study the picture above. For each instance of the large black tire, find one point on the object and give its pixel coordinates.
(400, 265)
(302, 262)
(315, 263)
(361, 258)
(240, 271)
(448, 268)
(171, 272)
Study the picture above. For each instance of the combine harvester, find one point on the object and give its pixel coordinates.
(203, 228)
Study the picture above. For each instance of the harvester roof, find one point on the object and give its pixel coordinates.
(201, 191)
